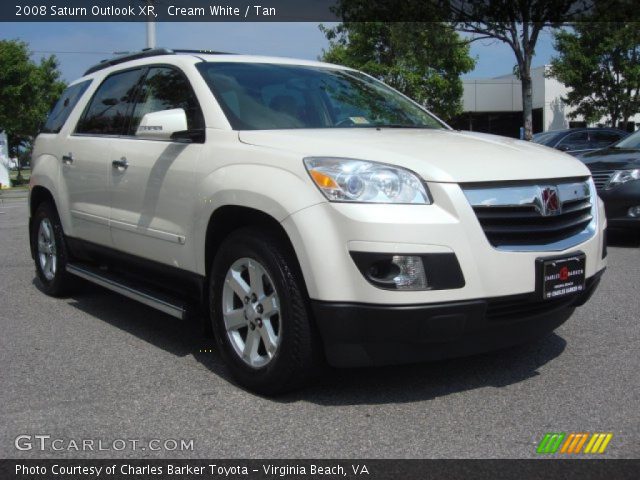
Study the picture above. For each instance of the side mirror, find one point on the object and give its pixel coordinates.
(563, 148)
(162, 125)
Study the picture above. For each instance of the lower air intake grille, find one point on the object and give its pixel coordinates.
(520, 307)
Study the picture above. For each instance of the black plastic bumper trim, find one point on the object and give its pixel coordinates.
(356, 334)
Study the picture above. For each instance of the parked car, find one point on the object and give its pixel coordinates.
(616, 173)
(308, 212)
(579, 140)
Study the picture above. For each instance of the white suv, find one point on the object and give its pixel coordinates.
(308, 212)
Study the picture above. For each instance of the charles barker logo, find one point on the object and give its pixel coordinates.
(564, 273)
(550, 201)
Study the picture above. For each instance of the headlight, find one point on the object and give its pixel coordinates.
(346, 180)
(623, 176)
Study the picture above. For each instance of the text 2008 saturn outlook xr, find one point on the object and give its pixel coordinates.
(308, 212)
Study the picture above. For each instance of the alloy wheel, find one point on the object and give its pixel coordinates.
(47, 253)
(251, 312)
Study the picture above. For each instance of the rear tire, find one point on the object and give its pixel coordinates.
(50, 251)
(260, 314)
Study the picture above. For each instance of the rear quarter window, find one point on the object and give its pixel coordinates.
(64, 106)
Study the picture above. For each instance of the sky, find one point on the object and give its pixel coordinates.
(80, 45)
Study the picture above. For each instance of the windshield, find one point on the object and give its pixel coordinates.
(631, 142)
(261, 96)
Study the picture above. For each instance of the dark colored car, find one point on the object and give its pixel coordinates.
(579, 140)
(616, 173)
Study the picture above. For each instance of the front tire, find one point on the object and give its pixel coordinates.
(50, 252)
(260, 314)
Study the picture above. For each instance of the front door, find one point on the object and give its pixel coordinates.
(153, 181)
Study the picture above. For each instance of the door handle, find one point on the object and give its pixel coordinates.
(121, 164)
(67, 159)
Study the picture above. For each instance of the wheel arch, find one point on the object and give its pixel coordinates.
(229, 218)
(37, 196)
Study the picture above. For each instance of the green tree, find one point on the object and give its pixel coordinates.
(600, 63)
(422, 60)
(518, 23)
(27, 93)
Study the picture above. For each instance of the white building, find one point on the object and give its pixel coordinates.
(4, 145)
(494, 105)
(4, 161)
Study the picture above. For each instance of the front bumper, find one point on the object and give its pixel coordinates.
(370, 334)
(325, 235)
(617, 202)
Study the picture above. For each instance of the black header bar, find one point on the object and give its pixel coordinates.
(201, 469)
(547, 11)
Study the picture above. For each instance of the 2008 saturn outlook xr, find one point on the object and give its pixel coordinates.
(308, 213)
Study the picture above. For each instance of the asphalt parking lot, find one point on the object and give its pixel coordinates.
(99, 366)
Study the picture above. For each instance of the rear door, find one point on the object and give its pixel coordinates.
(153, 196)
(86, 155)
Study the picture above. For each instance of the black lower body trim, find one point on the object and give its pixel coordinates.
(174, 281)
(366, 334)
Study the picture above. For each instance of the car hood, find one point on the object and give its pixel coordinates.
(436, 155)
(612, 159)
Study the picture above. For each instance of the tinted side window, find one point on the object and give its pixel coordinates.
(110, 105)
(602, 139)
(64, 106)
(575, 141)
(166, 88)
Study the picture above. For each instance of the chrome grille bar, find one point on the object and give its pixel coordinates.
(601, 178)
(517, 217)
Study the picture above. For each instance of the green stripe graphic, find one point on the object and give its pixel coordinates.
(550, 442)
(542, 447)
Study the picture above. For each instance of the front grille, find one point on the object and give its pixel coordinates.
(538, 216)
(524, 225)
(601, 178)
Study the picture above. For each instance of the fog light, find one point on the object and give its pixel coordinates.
(396, 272)
(408, 272)
(634, 212)
(411, 275)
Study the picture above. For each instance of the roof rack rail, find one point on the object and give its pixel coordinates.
(147, 52)
(201, 51)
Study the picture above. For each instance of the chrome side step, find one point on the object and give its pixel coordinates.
(118, 285)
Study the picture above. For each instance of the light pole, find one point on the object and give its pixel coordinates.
(151, 27)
